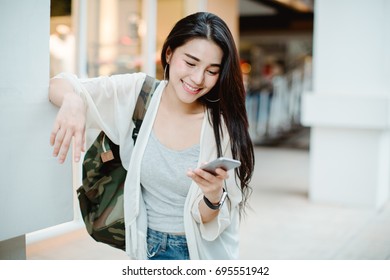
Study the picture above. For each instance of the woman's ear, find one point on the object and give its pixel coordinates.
(168, 55)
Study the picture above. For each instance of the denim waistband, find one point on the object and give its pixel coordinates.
(168, 238)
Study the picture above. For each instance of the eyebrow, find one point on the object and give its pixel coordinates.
(197, 59)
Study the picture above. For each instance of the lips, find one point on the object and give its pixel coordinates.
(191, 89)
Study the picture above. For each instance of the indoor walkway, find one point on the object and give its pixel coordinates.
(282, 224)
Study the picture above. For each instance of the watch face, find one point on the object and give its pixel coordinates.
(223, 198)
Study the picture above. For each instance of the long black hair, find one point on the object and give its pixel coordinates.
(228, 94)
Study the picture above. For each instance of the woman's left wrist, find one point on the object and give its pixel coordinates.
(212, 204)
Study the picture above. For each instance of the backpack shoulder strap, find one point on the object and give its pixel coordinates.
(144, 97)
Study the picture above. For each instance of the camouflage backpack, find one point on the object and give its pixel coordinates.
(101, 193)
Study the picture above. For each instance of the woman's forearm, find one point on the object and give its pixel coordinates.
(58, 88)
(206, 213)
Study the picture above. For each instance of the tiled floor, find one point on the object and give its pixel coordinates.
(282, 223)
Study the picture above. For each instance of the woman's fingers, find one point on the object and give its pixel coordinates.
(61, 140)
(53, 134)
(220, 175)
(65, 146)
(69, 124)
(211, 185)
(57, 139)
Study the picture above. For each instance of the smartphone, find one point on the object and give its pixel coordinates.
(222, 162)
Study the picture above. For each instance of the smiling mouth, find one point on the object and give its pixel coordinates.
(190, 89)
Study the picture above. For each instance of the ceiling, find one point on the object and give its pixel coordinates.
(276, 16)
(267, 7)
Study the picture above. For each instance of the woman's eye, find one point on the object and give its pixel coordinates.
(212, 72)
(190, 64)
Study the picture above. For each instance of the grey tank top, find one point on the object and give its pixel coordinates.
(165, 184)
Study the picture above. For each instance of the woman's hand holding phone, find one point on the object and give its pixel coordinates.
(210, 176)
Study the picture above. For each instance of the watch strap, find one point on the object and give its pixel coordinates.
(220, 203)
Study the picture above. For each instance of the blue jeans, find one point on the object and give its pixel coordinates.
(166, 246)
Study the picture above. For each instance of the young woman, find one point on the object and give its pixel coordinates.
(173, 209)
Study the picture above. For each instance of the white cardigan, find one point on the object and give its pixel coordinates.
(110, 103)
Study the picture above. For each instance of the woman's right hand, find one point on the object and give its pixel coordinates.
(69, 123)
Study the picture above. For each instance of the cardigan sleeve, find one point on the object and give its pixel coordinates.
(211, 230)
(110, 102)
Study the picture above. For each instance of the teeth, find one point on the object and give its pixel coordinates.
(190, 87)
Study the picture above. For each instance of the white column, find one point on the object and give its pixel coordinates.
(149, 14)
(349, 108)
(35, 191)
(79, 15)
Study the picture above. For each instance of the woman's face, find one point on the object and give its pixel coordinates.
(194, 69)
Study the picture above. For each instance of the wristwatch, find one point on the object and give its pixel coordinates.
(220, 203)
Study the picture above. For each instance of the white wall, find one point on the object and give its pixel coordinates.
(35, 191)
(349, 110)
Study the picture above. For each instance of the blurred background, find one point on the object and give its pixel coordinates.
(275, 40)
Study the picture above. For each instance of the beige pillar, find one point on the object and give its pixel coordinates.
(228, 10)
(108, 35)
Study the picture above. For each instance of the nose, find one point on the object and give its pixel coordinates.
(197, 76)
